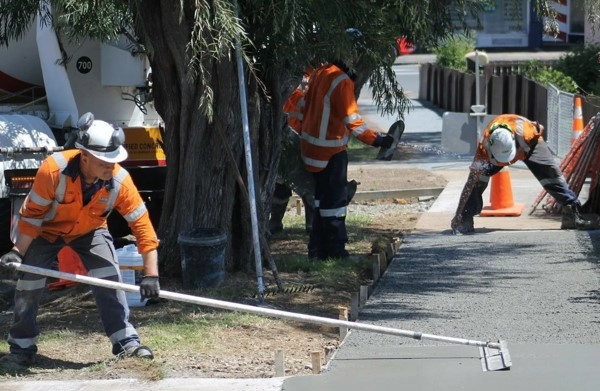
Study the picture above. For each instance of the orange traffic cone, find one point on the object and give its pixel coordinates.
(501, 197)
(577, 120)
(68, 262)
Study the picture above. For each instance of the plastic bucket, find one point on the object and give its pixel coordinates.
(131, 266)
(202, 257)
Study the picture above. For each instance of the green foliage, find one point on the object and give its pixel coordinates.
(450, 52)
(545, 75)
(582, 65)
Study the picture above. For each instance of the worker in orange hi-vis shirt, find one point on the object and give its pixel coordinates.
(73, 193)
(330, 116)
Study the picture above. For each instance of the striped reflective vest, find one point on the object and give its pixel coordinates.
(54, 206)
(526, 134)
(330, 116)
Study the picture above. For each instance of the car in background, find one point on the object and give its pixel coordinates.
(404, 46)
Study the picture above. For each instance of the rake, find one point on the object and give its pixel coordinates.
(494, 356)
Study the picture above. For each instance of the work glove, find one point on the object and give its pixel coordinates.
(8, 261)
(149, 287)
(384, 141)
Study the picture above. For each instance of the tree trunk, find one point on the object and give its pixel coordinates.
(201, 189)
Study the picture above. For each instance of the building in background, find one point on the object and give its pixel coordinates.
(514, 24)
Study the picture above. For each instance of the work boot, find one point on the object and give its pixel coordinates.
(467, 226)
(12, 360)
(572, 218)
(278, 210)
(309, 210)
(351, 187)
(137, 351)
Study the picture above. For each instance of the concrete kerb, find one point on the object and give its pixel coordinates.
(188, 384)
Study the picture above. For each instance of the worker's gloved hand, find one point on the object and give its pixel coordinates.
(149, 287)
(384, 141)
(9, 261)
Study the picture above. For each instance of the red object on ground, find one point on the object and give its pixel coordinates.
(68, 262)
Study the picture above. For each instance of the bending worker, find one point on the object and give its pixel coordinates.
(330, 117)
(73, 193)
(507, 139)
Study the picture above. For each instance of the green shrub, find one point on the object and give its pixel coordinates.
(582, 65)
(545, 75)
(451, 51)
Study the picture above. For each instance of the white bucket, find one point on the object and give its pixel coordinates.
(131, 266)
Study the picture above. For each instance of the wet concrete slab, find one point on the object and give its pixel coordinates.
(546, 367)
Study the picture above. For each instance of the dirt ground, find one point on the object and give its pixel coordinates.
(243, 351)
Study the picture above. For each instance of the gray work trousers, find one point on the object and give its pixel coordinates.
(97, 253)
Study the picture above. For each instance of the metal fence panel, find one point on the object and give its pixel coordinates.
(559, 129)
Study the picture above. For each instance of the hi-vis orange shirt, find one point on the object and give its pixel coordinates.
(294, 105)
(330, 115)
(526, 134)
(54, 206)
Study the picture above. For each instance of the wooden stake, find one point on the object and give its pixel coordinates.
(279, 367)
(364, 294)
(376, 270)
(343, 315)
(298, 207)
(390, 250)
(355, 304)
(315, 358)
(384, 261)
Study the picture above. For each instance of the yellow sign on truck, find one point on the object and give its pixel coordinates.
(144, 146)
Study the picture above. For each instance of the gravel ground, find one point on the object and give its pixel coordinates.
(384, 207)
(539, 287)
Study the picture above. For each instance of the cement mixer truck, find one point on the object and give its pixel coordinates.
(46, 84)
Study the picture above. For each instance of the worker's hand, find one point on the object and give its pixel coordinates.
(384, 141)
(149, 287)
(9, 261)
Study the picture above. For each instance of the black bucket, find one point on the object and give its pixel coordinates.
(202, 257)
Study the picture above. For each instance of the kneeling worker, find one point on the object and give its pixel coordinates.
(507, 139)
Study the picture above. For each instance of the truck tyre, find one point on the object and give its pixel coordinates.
(5, 210)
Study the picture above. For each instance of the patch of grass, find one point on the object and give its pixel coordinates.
(293, 222)
(358, 220)
(58, 336)
(194, 329)
(97, 367)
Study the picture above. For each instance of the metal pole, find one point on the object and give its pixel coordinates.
(249, 161)
(255, 310)
(477, 92)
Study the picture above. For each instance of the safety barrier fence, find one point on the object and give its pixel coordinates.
(503, 90)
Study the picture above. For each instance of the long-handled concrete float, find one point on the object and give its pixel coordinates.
(494, 355)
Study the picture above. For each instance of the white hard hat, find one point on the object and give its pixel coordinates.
(104, 141)
(502, 145)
